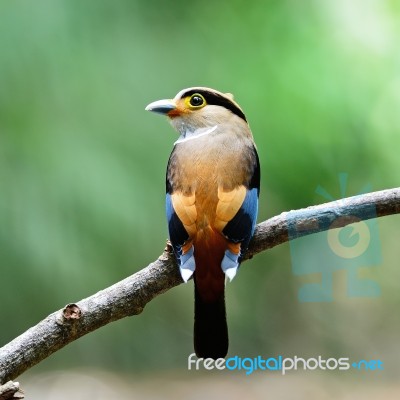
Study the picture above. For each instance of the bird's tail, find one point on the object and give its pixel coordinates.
(210, 326)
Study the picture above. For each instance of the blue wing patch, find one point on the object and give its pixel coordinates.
(241, 227)
(177, 232)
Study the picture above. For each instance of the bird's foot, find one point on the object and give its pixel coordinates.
(230, 264)
(188, 265)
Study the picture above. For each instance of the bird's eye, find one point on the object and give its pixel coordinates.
(196, 100)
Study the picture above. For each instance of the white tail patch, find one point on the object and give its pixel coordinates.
(230, 273)
(188, 265)
(186, 274)
(230, 264)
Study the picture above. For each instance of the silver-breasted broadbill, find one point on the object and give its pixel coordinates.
(212, 184)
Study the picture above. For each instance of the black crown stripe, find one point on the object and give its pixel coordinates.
(217, 100)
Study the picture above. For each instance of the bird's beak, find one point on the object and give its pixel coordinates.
(161, 106)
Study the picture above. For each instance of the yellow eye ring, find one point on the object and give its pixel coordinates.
(196, 100)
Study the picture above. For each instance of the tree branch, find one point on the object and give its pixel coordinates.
(129, 296)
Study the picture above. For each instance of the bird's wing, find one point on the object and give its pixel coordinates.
(237, 210)
(181, 216)
(241, 226)
(229, 203)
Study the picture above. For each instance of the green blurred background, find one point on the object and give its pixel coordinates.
(82, 165)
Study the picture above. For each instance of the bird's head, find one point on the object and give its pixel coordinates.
(199, 108)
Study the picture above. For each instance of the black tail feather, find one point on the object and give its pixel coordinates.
(210, 327)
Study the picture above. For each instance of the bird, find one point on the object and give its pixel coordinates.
(212, 191)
